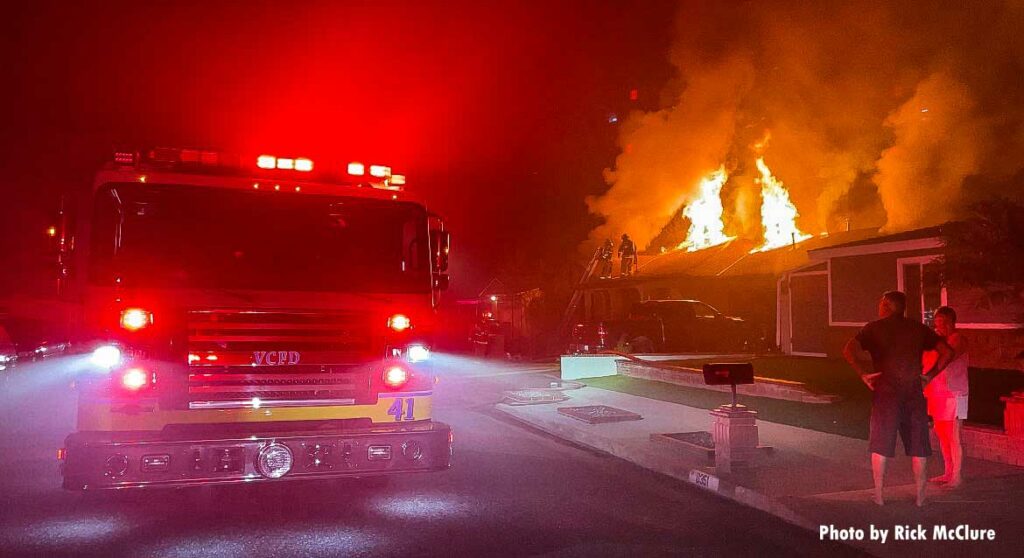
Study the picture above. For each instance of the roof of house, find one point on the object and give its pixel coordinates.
(734, 258)
(916, 234)
(928, 238)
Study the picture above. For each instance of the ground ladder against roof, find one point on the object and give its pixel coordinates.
(577, 294)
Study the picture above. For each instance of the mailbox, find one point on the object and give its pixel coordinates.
(728, 373)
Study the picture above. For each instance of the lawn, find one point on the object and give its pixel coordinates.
(821, 375)
(848, 417)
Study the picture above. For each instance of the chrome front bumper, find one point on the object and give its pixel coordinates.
(104, 461)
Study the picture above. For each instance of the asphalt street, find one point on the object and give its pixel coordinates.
(510, 492)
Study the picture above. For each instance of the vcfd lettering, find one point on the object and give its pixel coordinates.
(276, 358)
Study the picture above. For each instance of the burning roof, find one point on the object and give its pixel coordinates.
(739, 257)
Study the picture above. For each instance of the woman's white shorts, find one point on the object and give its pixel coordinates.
(948, 408)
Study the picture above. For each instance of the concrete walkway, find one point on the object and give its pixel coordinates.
(811, 479)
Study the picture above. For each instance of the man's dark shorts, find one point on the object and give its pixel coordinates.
(899, 410)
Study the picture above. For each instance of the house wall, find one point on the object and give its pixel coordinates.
(976, 306)
(808, 313)
(857, 282)
(995, 348)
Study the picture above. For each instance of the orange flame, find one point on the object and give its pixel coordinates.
(778, 214)
(705, 214)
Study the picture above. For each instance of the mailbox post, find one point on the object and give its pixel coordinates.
(734, 427)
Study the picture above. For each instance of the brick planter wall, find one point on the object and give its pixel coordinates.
(992, 444)
(762, 387)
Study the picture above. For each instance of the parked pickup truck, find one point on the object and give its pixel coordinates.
(665, 326)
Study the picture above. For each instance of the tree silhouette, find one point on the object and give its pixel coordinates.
(986, 250)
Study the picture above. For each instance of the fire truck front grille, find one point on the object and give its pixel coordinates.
(276, 358)
(226, 330)
(275, 386)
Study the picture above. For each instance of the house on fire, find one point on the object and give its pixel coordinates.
(809, 298)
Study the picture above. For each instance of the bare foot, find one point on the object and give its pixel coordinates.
(939, 479)
(877, 498)
(953, 483)
(920, 500)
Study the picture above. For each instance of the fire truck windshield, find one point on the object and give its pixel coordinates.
(176, 236)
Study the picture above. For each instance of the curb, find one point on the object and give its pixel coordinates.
(695, 477)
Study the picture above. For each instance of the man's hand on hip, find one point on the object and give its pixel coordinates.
(870, 379)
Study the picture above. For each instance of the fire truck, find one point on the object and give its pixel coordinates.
(251, 319)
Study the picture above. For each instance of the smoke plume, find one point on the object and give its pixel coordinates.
(889, 114)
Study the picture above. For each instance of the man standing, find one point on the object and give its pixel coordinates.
(627, 253)
(896, 346)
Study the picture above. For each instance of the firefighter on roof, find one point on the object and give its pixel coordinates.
(627, 253)
(604, 257)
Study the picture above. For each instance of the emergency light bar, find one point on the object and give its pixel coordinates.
(215, 162)
(170, 155)
(284, 163)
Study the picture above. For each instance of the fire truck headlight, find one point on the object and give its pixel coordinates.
(274, 461)
(106, 356)
(395, 377)
(135, 379)
(418, 353)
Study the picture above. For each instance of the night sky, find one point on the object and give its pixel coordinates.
(496, 111)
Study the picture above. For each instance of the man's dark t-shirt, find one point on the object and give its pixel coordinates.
(896, 345)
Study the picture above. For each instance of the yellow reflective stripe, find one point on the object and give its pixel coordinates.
(100, 417)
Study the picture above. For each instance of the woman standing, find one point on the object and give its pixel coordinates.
(947, 398)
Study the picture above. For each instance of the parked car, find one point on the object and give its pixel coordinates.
(665, 326)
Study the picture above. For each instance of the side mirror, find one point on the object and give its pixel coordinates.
(441, 282)
(440, 246)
